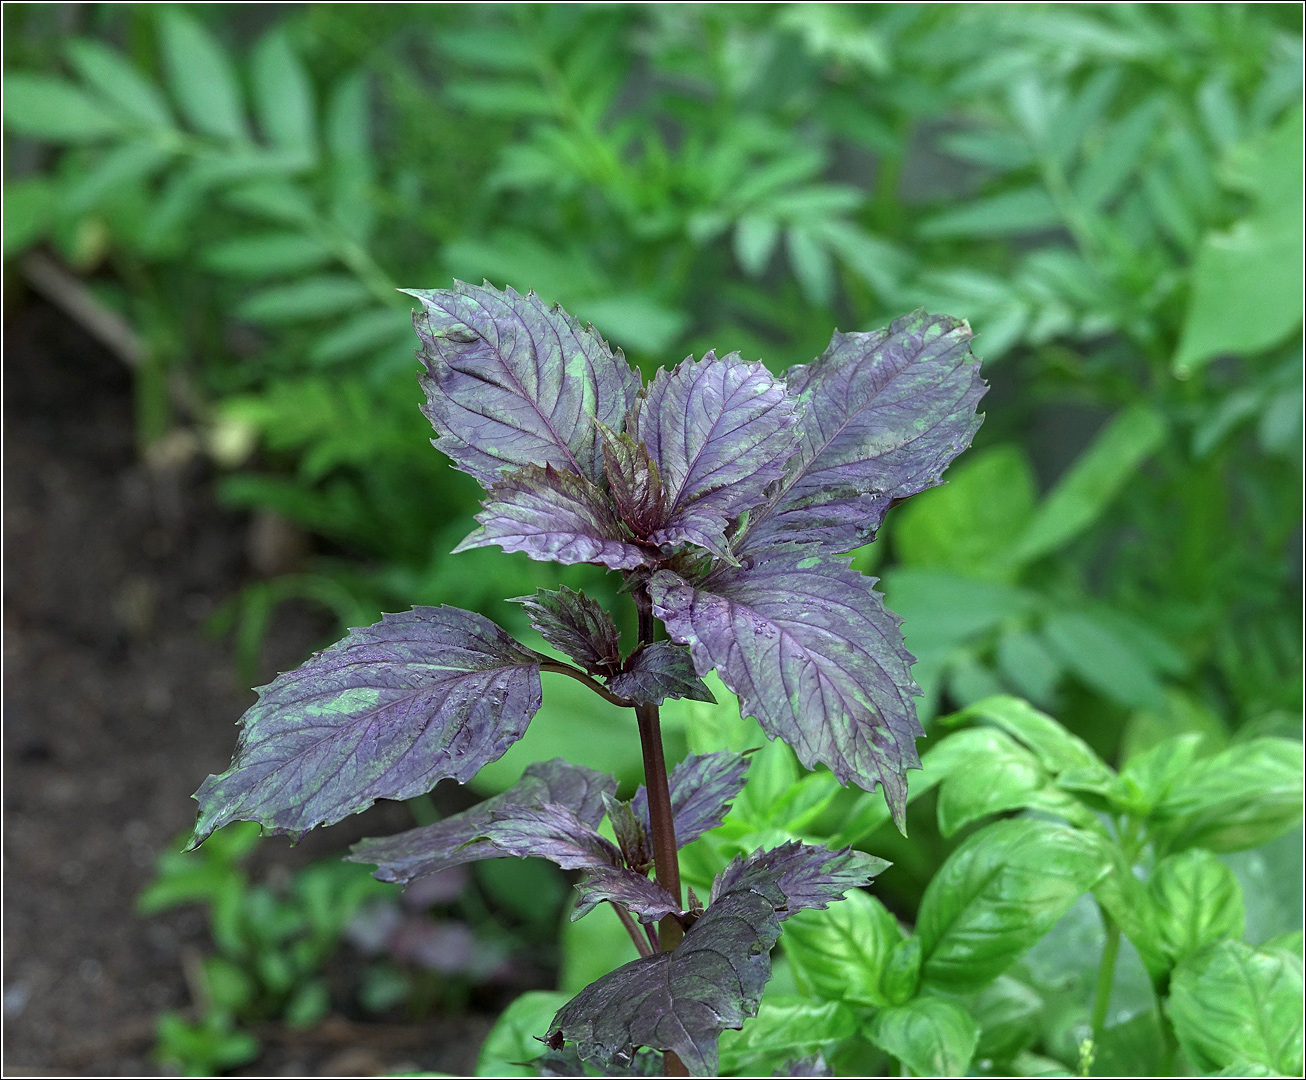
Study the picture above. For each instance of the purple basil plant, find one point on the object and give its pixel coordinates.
(727, 498)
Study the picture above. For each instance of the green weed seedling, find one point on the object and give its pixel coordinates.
(271, 947)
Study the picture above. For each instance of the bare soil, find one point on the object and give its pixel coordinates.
(116, 705)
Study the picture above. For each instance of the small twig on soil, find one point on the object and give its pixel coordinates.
(68, 292)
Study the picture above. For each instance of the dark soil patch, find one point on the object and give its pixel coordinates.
(117, 705)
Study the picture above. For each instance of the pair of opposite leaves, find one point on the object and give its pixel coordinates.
(728, 493)
(680, 1000)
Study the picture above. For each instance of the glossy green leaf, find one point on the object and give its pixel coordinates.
(1056, 748)
(1007, 1012)
(998, 893)
(1196, 901)
(837, 954)
(1147, 778)
(1001, 776)
(42, 107)
(1237, 799)
(202, 77)
(283, 96)
(120, 81)
(512, 1043)
(901, 977)
(930, 1036)
(784, 1027)
(1080, 497)
(1232, 1004)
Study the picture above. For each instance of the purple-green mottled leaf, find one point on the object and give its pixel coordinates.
(556, 516)
(511, 381)
(881, 415)
(634, 481)
(797, 876)
(549, 831)
(682, 1000)
(702, 787)
(384, 714)
(460, 838)
(809, 648)
(577, 626)
(658, 671)
(719, 431)
(645, 899)
(631, 832)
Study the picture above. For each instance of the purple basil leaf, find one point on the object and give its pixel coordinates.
(881, 416)
(631, 833)
(511, 381)
(634, 481)
(720, 431)
(643, 898)
(796, 876)
(683, 1000)
(549, 831)
(679, 1000)
(554, 515)
(808, 646)
(567, 1062)
(658, 671)
(384, 714)
(430, 848)
(575, 625)
(701, 789)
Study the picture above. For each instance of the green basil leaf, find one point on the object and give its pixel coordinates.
(1147, 777)
(1290, 943)
(1007, 1011)
(998, 893)
(1232, 1004)
(1244, 796)
(838, 953)
(512, 1040)
(1195, 901)
(931, 1036)
(1000, 776)
(1055, 747)
(1126, 899)
(901, 977)
(784, 1027)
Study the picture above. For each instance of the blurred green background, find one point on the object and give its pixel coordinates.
(230, 195)
(1111, 194)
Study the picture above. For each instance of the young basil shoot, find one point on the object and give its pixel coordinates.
(727, 498)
